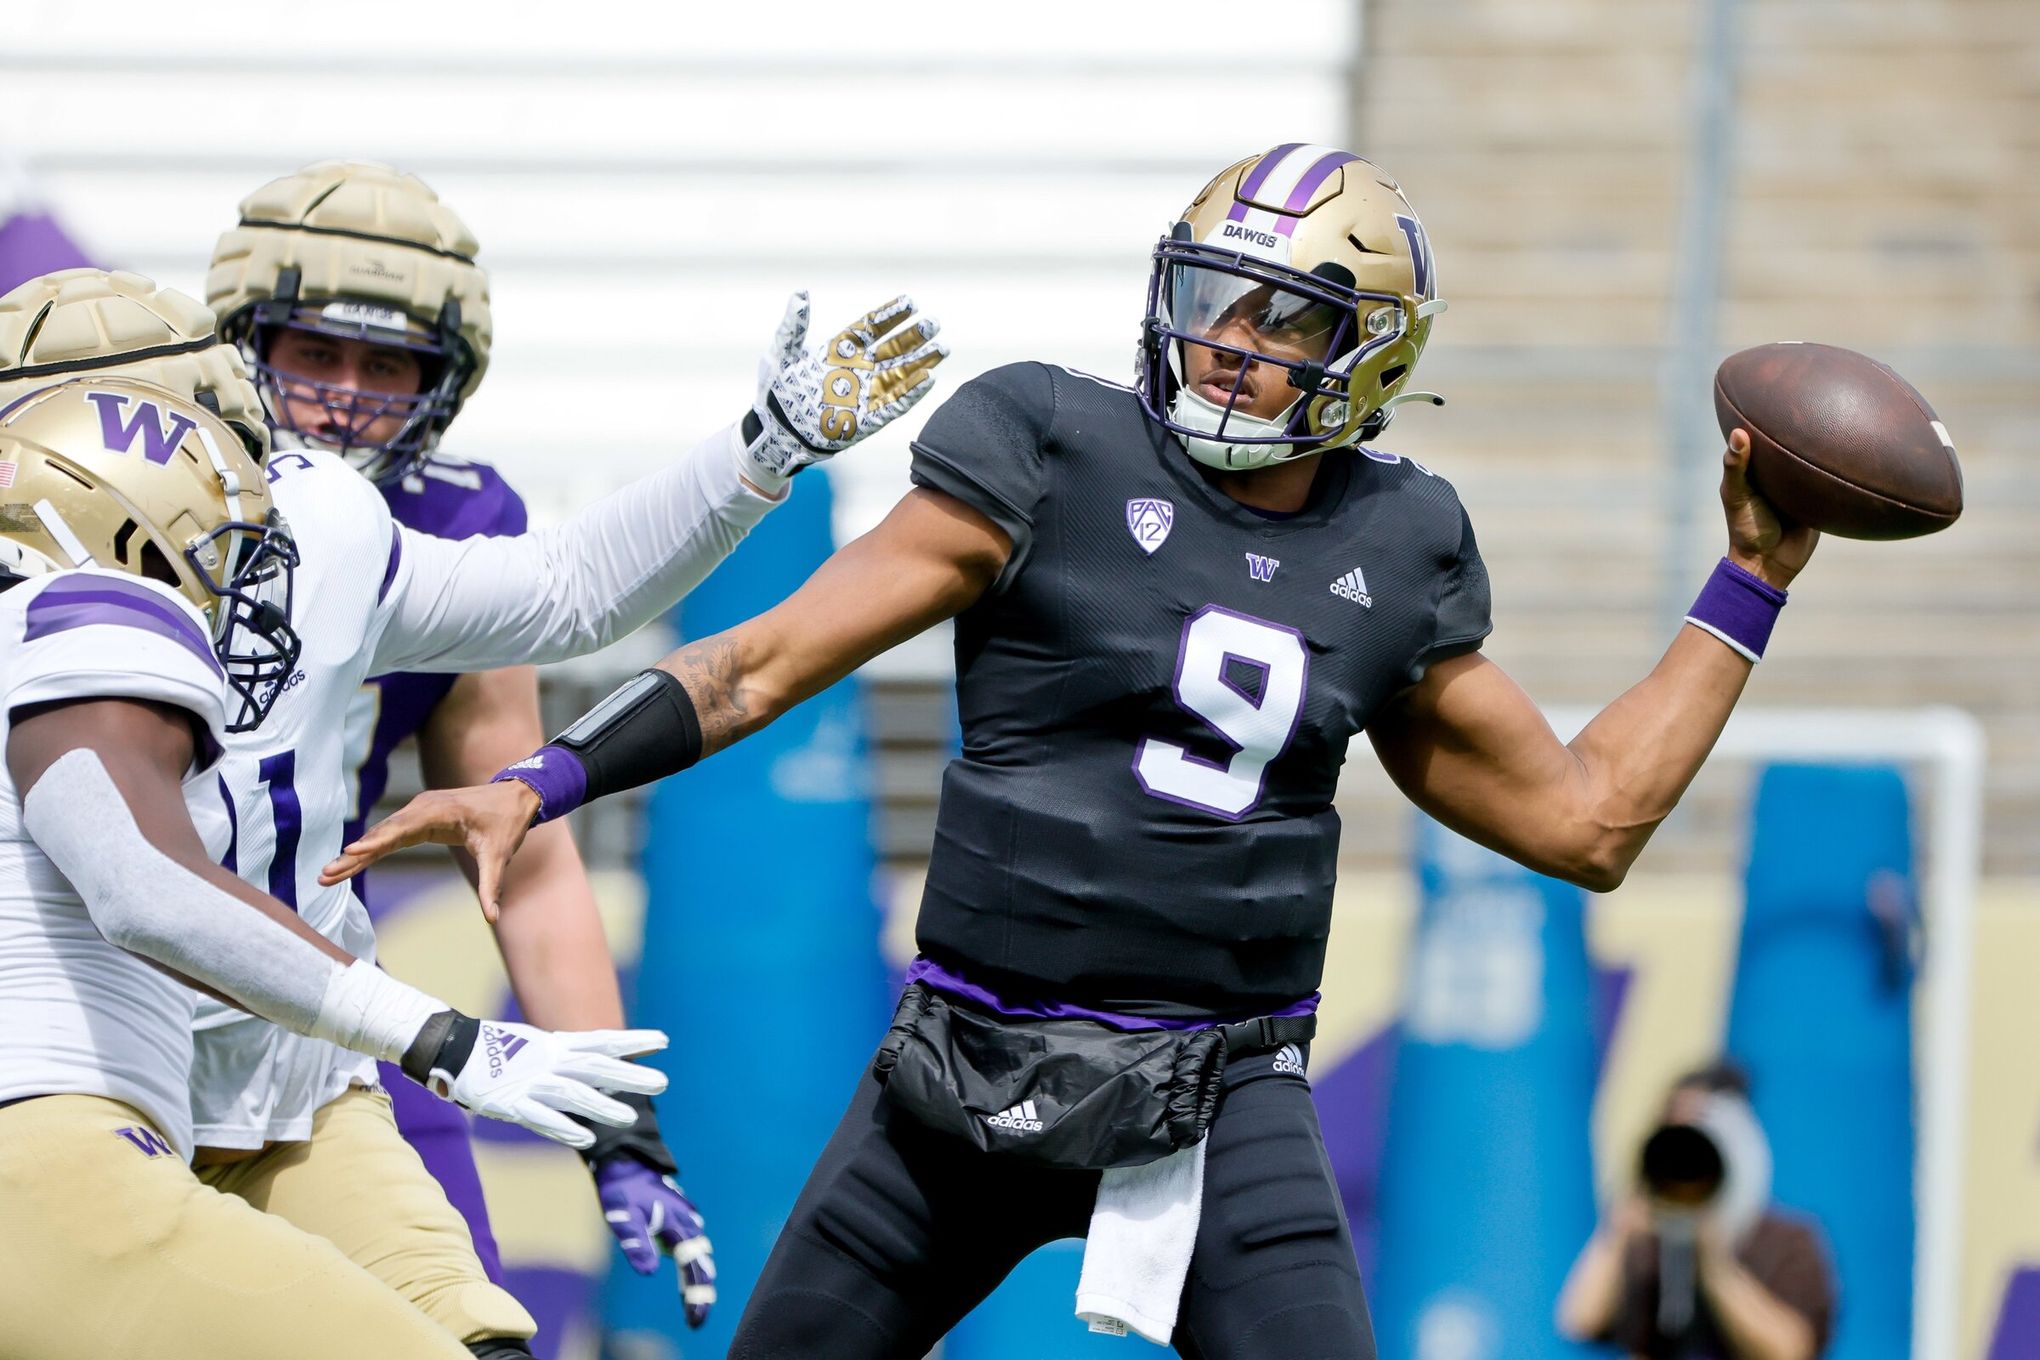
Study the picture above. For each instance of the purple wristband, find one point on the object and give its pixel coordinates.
(556, 775)
(1738, 607)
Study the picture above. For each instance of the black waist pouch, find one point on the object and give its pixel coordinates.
(1069, 1093)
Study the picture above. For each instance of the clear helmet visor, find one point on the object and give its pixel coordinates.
(1250, 314)
(1246, 348)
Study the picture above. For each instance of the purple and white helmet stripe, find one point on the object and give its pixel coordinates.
(1250, 187)
(1291, 173)
(1309, 183)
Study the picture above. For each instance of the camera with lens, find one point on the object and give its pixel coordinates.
(1683, 1165)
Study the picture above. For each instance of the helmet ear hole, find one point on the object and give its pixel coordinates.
(254, 441)
(154, 565)
(121, 538)
(1392, 375)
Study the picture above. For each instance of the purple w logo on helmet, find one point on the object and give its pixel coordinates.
(119, 434)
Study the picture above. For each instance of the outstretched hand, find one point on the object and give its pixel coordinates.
(488, 821)
(535, 1078)
(1760, 540)
(813, 403)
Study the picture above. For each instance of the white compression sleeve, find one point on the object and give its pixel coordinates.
(545, 596)
(143, 901)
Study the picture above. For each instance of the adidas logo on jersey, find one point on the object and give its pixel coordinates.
(1289, 1058)
(1020, 1119)
(1353, 586)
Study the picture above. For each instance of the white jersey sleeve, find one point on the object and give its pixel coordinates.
(98, 634)
(78, 1015)
(571, 589)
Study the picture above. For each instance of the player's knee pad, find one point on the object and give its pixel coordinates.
(1270, 1203)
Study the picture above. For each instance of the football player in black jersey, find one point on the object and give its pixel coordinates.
(1175, 605)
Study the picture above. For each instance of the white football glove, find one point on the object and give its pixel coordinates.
(530, 1076)
(517, 1073)
(812, 404)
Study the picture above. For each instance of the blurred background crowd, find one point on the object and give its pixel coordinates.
(1833, 941)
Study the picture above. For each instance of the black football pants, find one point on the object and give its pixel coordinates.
(900, 1231)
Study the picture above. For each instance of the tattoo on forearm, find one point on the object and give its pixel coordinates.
(710, 673)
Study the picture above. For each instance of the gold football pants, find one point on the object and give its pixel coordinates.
(110, 1246)
(360, 1186)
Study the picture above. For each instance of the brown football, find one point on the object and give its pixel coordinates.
(1840, 442)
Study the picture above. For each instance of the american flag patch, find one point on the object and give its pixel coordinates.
(7, 471)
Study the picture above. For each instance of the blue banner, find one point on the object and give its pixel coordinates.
(1822, 1017)
(1486, 1190)
(761, 951)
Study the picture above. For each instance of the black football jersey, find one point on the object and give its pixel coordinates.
(1157, 694)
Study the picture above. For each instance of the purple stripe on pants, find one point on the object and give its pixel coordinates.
(438, 1131)
(1258, 176)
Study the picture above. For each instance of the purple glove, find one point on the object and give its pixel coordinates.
(648, 1211)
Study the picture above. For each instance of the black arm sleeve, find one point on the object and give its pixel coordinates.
(984, 446)
(643, 731)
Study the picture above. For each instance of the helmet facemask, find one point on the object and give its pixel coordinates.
(444, 371)
(250, 569)
(1242, 323)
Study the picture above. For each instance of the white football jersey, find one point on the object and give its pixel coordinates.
(281, 799)
(77, 1015)
(371, 597)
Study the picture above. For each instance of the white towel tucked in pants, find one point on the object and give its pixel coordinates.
(1143, 1229)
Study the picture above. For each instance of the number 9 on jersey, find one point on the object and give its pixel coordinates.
(1219, 645)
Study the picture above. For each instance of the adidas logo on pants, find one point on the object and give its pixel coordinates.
(1020, 1119)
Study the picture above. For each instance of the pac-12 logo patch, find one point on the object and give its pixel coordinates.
(1149, 519)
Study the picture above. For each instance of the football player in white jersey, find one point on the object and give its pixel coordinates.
(368, 347)
(378, 598)
(145, 593)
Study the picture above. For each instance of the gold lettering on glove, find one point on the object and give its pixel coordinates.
(843, 386)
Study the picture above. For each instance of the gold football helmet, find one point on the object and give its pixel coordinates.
(114, 323)
(118, 473)
(357, 251)
(1306, 263)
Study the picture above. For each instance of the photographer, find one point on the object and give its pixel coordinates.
(1696, 1264)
